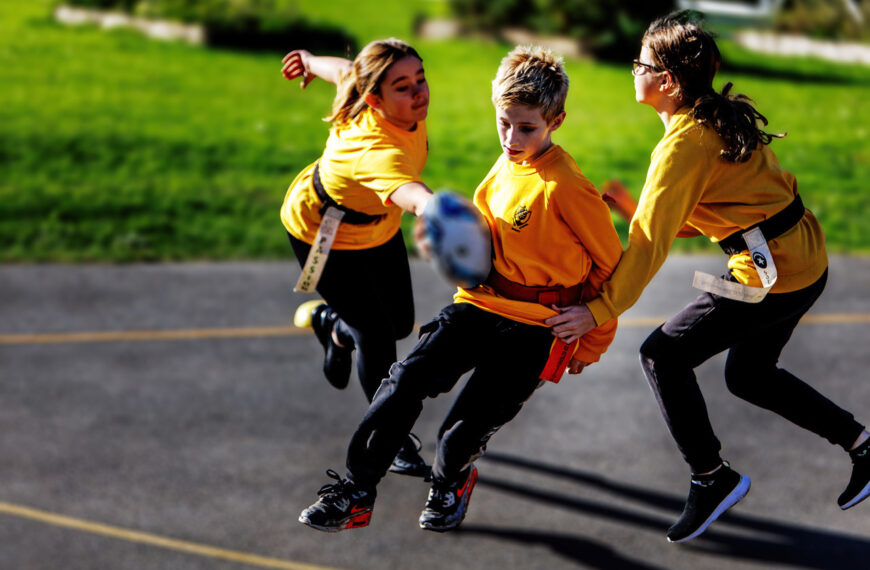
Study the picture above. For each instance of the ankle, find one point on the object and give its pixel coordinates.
(861, 439)
(708, 473)
(335, 339)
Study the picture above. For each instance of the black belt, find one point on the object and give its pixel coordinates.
(350, 216)
(772, 227)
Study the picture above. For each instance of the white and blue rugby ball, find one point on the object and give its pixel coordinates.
(459, 239)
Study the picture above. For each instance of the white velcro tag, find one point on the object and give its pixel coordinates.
(313, 267)
(728, 289)
(764, 266)
(761, 257)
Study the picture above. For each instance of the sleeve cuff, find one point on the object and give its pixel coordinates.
(600, 311)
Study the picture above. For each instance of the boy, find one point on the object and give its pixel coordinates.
(553, 244)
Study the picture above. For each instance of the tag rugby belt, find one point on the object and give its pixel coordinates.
(350, 216)
(772, 227)
(560, 296)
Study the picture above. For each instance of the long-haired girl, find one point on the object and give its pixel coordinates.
(713, 174)
(342, 213)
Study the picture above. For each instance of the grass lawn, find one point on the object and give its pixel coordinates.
(114, 147)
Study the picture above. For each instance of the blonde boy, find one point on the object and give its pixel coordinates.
(554, 243)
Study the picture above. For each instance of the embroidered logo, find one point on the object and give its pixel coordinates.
(759, 259)
(521, 218)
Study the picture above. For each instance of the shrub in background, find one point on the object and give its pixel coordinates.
(824, 19)
(607, 29)
(274, 25)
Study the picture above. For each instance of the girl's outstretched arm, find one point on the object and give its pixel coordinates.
(301, 63)
(411, 197)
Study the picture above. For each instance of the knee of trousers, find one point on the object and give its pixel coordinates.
(742, 376)
(659, 350)
(406, 383)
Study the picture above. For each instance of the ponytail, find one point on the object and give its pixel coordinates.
(680, 46)
(365, 77)
(735, 120)
(348, 101)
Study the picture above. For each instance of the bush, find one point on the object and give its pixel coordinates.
(824, 19)
(241, 24)
(608, 29)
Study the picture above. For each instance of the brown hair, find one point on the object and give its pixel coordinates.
(533, 76)
(680, 46)
(368, 71)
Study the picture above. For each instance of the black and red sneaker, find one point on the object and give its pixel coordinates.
(448, 502)
(341, 505)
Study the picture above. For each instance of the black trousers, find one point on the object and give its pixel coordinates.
(755, 335)
(370, 289)
(507, 358)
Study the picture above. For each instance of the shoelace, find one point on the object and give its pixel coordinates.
(333, 489)
(441, 496)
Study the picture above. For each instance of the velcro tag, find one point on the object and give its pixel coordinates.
(764, 266)
(319, 251)
(761, 257)
(560, 357)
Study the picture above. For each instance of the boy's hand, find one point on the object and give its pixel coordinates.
(571, 323)
(619, 199)
(296, 64)
(577, 366)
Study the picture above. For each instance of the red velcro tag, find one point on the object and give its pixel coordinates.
(560, 357)
(548, 298)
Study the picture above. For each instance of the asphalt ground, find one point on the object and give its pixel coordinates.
(167, 416)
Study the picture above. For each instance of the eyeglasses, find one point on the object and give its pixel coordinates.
(639, 68)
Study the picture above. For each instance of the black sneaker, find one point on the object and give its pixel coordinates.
(337, 361)
(341, 505)
(408, 460)
(859, 485)
(709, 497)
(448, 503)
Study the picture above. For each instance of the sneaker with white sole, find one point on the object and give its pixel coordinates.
(448, 502)
(408, 460)
(858, 488)
(340, 506)
(709, 497)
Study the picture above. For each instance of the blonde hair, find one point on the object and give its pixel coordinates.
(368, 71)
(533, 76)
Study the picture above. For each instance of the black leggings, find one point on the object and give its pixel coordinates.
(370, 289)
(755, 335)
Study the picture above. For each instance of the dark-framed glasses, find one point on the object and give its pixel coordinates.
(638, 67)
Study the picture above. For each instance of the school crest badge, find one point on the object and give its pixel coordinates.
(522, 215)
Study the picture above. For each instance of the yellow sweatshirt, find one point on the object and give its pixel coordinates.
(364, 162)
(689, 184)
(550, 228)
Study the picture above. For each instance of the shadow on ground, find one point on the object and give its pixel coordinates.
(774, 541)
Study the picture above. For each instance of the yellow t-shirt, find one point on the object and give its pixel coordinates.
(689, 184)
(364, 162)
(550, 228)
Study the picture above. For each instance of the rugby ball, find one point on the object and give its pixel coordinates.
(459, 239)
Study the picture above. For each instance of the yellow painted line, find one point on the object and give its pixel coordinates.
(837, 319)
(179, 334)
(260, 332)
(153, 539)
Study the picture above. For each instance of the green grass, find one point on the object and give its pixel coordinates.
(114, 147)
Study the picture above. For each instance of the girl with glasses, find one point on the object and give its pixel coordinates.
(714, 174)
